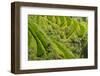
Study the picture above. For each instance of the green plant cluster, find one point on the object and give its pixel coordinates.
(57, 37)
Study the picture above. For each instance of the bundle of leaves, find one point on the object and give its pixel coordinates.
(57, 37)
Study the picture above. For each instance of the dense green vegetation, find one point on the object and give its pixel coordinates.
(57, 37)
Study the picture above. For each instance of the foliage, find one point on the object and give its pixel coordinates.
(57, 37)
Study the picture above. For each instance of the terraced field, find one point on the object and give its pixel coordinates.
(57, 37)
